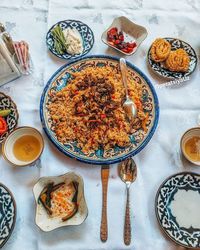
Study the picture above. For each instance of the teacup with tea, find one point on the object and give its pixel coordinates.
(190, 145)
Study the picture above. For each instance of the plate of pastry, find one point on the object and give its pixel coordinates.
(172, 58)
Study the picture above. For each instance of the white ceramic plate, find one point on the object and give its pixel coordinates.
(42, 219)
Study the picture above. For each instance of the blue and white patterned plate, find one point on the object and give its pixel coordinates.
(138, 140)
(85, 32)
(7, 214)
(177, 207)
(159, 68)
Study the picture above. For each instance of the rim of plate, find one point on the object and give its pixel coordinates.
(104, 161)
(156, 210)
(70, 56)
(172, 77)
(15, 214)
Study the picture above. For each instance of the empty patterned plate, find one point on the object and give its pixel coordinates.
(85, 32)
(7, 103)
(175, 44)
(177, 208)
(7, 214)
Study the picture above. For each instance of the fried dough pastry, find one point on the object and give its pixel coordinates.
(160, 50)
(178, 61)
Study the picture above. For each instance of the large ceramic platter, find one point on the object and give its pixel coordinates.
(138, 140)
(159, 68)
(177, 209)
(7, 214)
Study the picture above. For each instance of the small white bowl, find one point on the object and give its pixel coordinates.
(186, 136)
(135, 32)
(42, 219)
(7, 147)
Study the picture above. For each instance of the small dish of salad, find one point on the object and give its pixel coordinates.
(60, 201)
(8, 116)
(70, 39)
(124, 35)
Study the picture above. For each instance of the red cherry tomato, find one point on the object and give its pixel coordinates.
(116, 39)
(3, 126)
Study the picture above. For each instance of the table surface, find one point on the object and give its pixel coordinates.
(179, 109)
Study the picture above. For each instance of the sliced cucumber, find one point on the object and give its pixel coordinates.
(5, 112)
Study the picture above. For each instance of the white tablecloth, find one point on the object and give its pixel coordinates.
(179, 109)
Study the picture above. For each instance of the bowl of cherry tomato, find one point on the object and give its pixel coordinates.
(124, 35)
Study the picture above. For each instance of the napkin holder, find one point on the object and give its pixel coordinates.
(8, 68)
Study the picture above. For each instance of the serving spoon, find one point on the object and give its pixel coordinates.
(128, 174)
(128, 105)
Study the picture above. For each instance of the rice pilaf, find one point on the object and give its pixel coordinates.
(89, 110)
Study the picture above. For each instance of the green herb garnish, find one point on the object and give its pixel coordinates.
(60, 45)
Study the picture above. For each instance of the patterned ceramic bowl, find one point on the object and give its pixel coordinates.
(85, 32)
(159, 68)
(139, 139)
(7, 103)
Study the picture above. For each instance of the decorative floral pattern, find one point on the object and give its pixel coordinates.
(7, 103)
(86, 34)
(187, 237)
(7, 214)
(175, 44)
(138, 140)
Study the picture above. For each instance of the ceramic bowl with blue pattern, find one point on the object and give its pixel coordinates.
(138, 139)
(85, 32)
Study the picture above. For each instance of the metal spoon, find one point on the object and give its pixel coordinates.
(128, 174)
(128, 105)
